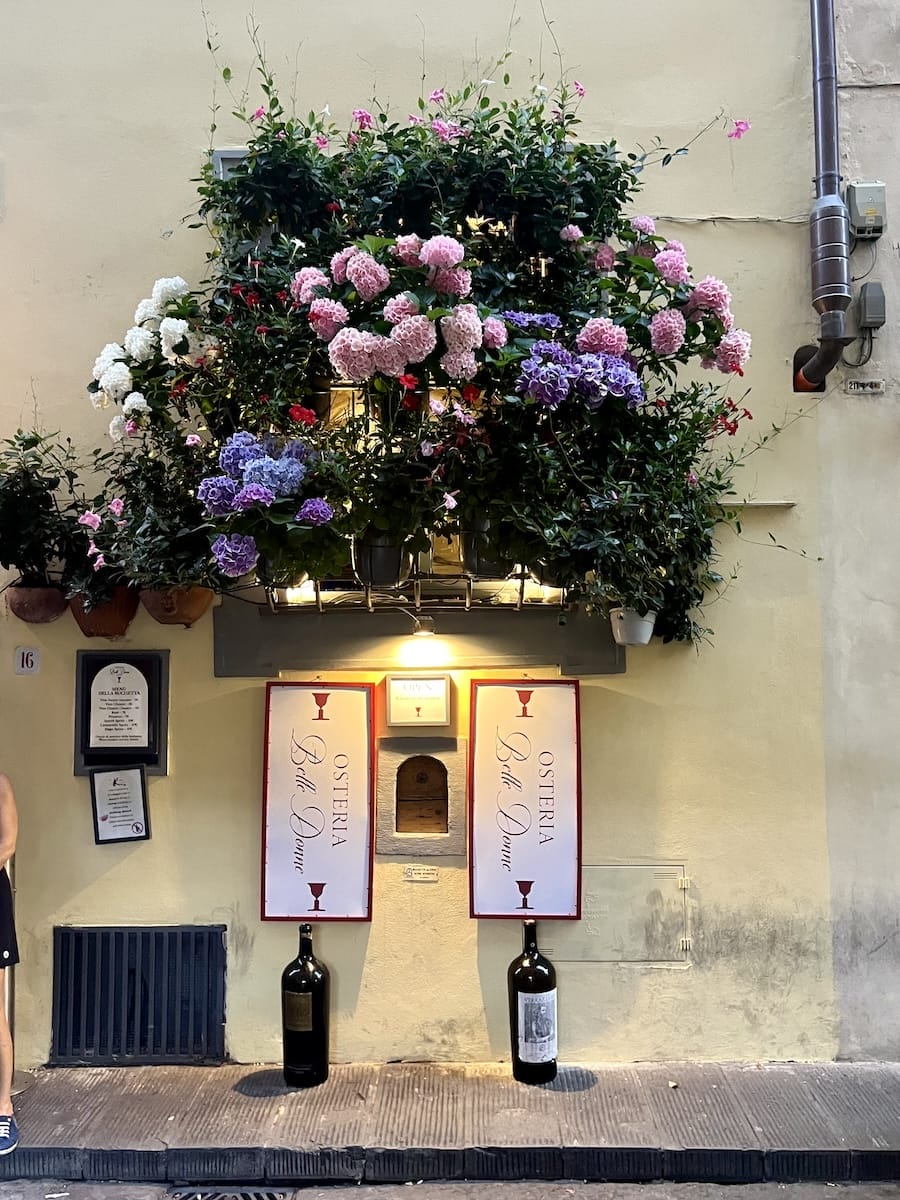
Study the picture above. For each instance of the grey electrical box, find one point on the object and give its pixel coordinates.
(870, 310)
(866, 205)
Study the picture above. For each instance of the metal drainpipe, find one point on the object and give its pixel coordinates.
(829, 225)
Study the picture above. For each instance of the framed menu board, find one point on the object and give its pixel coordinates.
(121, 709)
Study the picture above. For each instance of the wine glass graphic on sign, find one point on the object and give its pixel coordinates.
(317, 889)
(525, 695)
(524, 886)
(321, 699)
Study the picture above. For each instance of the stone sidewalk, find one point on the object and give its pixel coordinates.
(407, 1122)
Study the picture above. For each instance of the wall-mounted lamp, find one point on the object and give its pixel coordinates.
(424, 626)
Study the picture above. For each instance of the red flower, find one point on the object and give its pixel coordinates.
(228, 321)
(411, 402)
(264, 398)
(408, 382)
(303, 416)
(252, 299)
(237, 289)
(262, 330)
(282, 296)
(332, 207)
(179, 389)
(471, 394)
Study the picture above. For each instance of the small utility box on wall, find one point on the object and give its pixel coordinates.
(420, 796)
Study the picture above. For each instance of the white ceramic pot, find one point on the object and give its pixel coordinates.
(631, 628)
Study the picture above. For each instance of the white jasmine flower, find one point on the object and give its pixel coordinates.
(107, 356)
(325, 110)
(135, 403)
(172, 330)
(140, 343)
(147, 310)
(117, 428)
(165, 290)
(116, 381)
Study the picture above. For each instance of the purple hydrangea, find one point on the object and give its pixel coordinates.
(235, 554)
(590, 382)
(621, 380)
(545, 381)
(217, 494)
(237, 452)
(554, 352)
(296, 449)
(283, 477)
(253, 493)
(314, 511)
(526, 320)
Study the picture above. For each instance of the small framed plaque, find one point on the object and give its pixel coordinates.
(418, 699)
(121, 709)
(119, 802)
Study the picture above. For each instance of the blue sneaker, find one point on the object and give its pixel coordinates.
(9, 1135)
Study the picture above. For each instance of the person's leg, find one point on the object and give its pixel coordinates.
(6, 1055)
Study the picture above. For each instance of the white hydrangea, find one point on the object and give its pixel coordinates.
(200, 346)
(172, 330)
(140, 343)
(165, 290)
(117, 428)
(107, 356)
(147, 310)
(135, 403)
(116, 381)
(99, 399)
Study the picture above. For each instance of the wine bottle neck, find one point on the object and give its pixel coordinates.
(529, 937)
(306, 945)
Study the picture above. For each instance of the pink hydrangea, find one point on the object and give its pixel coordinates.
(494, 334)
(442, 251)
(710, 295)
(571, 233)
(602, 336)
(672, 244)
(733, 351)
(462, 328)
(667, 331)
(727, 320)
(303, 283)
(417, 336)
(399, 307)
(605, 257)
(452, 281)
(407, 248)
(351, 352)
(672, 265)
(339, 263)
(389, 357)
(459, 364)
(327, 317)
(368, 276)
(644, 225)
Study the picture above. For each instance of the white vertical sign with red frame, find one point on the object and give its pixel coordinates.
(525, 800)
(318, 802)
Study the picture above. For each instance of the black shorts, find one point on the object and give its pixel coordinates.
(9, 947)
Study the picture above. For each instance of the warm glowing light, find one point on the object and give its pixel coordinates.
(424, 652)
(300, 595)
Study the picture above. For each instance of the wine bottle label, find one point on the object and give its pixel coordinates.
(537, 1026)
(298, 1011)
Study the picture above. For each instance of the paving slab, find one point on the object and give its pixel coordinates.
(405, 1122)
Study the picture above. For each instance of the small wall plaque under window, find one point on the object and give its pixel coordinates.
(418, 700)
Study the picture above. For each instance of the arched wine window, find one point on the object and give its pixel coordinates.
(422, 797)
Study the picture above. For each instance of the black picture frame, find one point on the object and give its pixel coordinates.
(111, 820)
(152, 667)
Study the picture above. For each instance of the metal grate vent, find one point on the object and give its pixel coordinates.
(217, 1193)
(127, 995)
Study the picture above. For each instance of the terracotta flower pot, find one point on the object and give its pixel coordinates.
(110, 620)
(37, 605)
(177, 605)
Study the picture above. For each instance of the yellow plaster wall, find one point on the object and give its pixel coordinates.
(713, 759)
